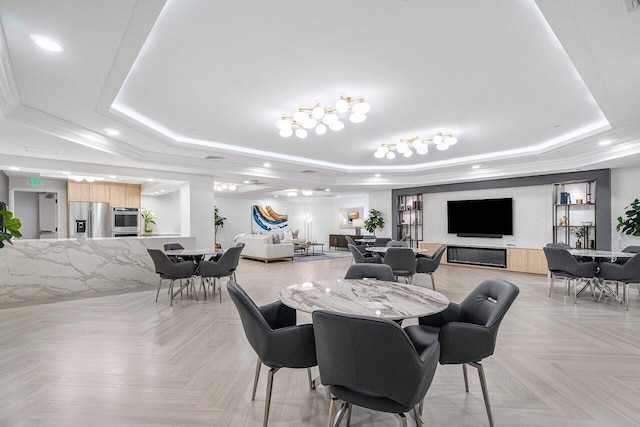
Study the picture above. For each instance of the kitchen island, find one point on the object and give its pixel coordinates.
(34, 271)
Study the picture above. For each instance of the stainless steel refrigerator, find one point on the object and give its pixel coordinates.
(89, 219)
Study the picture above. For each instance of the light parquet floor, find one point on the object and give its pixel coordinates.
(123, 360)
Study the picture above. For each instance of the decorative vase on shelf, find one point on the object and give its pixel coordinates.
(147, 229)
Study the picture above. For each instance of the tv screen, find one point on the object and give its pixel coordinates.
(492, 217)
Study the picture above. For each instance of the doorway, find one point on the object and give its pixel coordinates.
(38, 213)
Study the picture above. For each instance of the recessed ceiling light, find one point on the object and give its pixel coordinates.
(66, 173)
(604, 143)
(151, 180)
(112, 177)
(99, 178)
(266, 165)
(162, 191)
(275, 195)
(475, 167)
(112, 132)
(377, 175)
(46, 43)
(247, 182)
(327, 189)
(14, 168)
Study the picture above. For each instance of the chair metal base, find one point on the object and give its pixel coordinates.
(483, 384)
(338, 408)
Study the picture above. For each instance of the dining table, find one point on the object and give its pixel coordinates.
(193, 252)
(383, 249)
(390, 300)
(599, 254)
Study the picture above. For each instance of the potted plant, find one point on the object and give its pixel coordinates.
(9, 227)
(580, 233)
(148, 217)
(374, 221)
(219, 223)
(630, 225)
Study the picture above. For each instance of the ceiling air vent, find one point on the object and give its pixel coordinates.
(308, 171)
(632, 5)
(214, 158)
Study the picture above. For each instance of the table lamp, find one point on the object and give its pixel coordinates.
(358, 223)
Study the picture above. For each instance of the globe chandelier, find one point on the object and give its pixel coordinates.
(321, 118)
(407, 146)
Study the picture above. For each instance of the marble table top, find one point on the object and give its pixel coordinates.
(193, 252)
(383, 249)
(601, 254)
(391, 300)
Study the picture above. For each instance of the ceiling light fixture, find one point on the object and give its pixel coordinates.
(292, 194)
(377, 175)
(112, 177)
(320, 118)
(406, 146)
(14, 168)
(307, 192)
(266, 165)
(79, 178)
(66, 173)
(224, 186)
(46, 43)
(112, 132)
(475, 167)
(604, 143)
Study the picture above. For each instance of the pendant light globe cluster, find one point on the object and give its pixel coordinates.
(407, 146)
(321, 119)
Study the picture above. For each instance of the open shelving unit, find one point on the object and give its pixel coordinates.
(574, 208)
(410, 219)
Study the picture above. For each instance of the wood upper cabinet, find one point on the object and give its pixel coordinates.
(99, 193)
(118, 196)
(78, 191)
(133, 196)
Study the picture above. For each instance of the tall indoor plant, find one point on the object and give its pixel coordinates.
(219, 223)
(374, 221)
(9, 227)
(631, 224)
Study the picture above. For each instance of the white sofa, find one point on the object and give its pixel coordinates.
(261, 247)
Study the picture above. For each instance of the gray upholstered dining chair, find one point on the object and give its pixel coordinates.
(371, 362)
(563, 265)
(358, 258)
(396, 244)
(467, 332)
(381, 242)
(361, 248)
(273, 334)
(624, 274)
(402, 261)
(370, 271)
(224, 267)
(172, 271)
(429, 264)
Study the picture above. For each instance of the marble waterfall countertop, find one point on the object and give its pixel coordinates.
(50, 270)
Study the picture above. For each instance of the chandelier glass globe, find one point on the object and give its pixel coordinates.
(286, 132)
(301, 133)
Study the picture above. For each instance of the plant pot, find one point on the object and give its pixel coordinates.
(578, 245)
(217, 246)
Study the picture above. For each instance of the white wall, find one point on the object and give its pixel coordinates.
(324, 213)
(4, 188)
(531, 216)
(48, 186)
(382, 201)
(624, 190)
(167, 210)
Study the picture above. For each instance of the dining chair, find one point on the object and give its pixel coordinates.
(273, 334)
(625, 274)
(361, 248)
(358, 258)
(429, 264)
(168, 270)
(370, 271)
(631, 250)
(467, 332)
(381, 242)
(563, 265)
(224, 267)
(372, 363)
(402, 261)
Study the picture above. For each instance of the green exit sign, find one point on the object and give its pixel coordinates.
(35, 180)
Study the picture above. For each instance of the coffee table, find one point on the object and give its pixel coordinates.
(304, 247)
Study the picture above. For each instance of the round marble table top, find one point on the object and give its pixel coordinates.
(376, 298)
(383, 249)
(193, 252)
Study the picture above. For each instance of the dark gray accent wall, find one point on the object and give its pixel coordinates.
(603, 195)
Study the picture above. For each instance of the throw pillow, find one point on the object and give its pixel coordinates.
(288, 235)
(276, 238)
(295, 234)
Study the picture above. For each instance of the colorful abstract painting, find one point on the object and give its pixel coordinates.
(347, 215)
(268, 218)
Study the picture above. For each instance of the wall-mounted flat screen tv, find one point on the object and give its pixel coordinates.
(480, 218)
